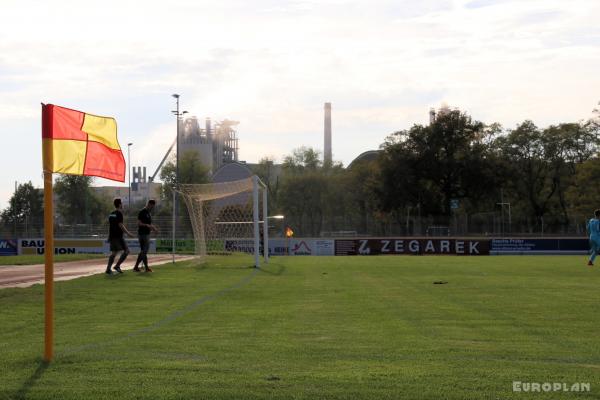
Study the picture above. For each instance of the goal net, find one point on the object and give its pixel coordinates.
(228, 217)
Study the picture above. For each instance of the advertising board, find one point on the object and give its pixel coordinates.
(539, 246)
(76, 246)
(8, 247)
(368, 246)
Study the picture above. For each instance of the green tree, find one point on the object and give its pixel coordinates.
(191, 171)
(581, 195)
(567, 145)
(335, 197)
(430, 165)
(269, 173)
(539, 165)
(361, 183)
(25, 205)
(301, 159)
(77, 203)
(313, 197)
(302, 199)
(585, 172)
(302, 186)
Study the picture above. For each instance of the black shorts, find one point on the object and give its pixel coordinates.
(118, 244)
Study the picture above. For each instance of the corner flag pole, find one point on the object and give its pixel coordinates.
(174, 216)
(49, 266)
(47, 155)
(60, 154)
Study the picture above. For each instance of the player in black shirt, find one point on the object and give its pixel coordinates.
(115, 237)
(144, 228)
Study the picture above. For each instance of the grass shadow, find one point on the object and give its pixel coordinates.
(113, 276)
(220, 266)
(32, 380)
(280, 269)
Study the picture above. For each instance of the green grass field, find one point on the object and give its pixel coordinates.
(311, 328)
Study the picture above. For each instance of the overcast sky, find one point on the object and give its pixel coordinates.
(271, 64)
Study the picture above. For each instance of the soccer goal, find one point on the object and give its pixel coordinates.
(228, 217)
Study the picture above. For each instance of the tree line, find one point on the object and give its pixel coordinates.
(453, 169)
(77, 203)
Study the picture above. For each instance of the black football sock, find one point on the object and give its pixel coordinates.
(121, 259)
(139, 260)
(111, 260)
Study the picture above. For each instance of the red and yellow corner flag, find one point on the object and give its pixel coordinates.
(77, 143)
(73, 143)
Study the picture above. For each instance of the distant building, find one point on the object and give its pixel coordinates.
(232, 172)
(368, 156)
(143, 191)
(216, 145)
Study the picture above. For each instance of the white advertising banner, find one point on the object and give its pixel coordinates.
(76, 246)
(282, 247)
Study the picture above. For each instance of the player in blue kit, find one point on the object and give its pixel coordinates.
(594, 231)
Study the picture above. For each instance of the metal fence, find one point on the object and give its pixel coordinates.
(490, 224)
(481, 224)
(34, 229)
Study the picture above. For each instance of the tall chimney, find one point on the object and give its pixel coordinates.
(327, 157)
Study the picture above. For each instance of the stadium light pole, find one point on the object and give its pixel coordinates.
(129, 168)
(15, 209)
(178, 116)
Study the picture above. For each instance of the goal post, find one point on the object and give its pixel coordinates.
(255, 217)
(265, 222)
(226, 217)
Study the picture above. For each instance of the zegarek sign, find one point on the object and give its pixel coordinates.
(456, 246)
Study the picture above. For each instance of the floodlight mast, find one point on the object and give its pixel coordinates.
(129, 172)
(178, 116)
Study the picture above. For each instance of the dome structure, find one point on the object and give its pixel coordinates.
(232, 172)
(370, 155)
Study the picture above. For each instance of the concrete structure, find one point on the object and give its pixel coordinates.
(232, 172)
(216, 145)
(367, 156)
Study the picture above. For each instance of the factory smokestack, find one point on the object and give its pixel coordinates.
(327, 157)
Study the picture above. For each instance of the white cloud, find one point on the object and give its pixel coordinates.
(272, 64)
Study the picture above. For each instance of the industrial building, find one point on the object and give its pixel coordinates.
(217, 145)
